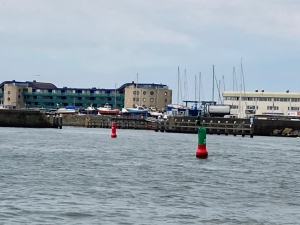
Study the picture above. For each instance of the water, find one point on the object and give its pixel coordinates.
(82, 176)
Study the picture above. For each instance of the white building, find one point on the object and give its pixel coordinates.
(246, 104)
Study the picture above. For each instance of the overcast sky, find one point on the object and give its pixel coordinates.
(97, 43)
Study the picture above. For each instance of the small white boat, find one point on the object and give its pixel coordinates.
(137, 110)
(68, 110)
(4, 107)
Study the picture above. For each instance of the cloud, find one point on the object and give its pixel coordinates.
(111, 41)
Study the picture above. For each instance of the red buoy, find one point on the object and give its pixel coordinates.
(113, 130)
(201, 152)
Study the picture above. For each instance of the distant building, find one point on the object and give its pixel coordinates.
(33, 94)
(147, 95)
(246, 104)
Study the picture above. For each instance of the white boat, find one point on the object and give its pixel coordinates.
(68, 110)
(4, 107)
(137, 110)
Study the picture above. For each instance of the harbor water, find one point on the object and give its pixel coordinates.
(82, 176)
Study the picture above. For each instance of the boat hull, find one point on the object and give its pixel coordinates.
(108, 112)
(137, 111)
(67, 111)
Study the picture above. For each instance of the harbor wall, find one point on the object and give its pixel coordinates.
(269, 127)
(24, 118)
(74, 120)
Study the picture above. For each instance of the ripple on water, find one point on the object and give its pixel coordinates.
(82, 176)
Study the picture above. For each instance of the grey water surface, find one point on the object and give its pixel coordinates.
(82, 176)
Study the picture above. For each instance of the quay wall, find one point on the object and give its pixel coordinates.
(267, 127)
(18, 118)
(24, 118)
(74, 120)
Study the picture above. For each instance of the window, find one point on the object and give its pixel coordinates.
(144, 99)
(251, 107)
(166, 93)
(166, 100)
(234, 106)
(272, 108)
(151, 99)
(135, 99)
(284, 99)
(295, 99)
(8, 92)
(144, 92)
(8, 99)
(151, 92)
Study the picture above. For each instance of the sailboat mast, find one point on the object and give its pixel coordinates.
(199, 86)
(195, 88)
(178, 86)
(137, 81)
(115, 95)
(223, 83)
(233, 75)
(213, 85)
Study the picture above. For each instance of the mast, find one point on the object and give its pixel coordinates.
(195, 88)
(240, 99)
(115, 95)
(220, 91)
(178, 87)
(199, 87)
(137, 80)
(223, 83)
(213, 85)
(233, 75)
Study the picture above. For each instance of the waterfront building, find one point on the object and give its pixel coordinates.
(246, 104)
(33, 94)
(147, 95)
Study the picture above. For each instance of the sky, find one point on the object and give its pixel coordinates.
(97, 43)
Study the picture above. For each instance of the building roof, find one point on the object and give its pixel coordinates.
(261, 94)
(34, 84)
(42, 85)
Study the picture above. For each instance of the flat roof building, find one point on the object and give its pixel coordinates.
(33, 94)
(246, 104)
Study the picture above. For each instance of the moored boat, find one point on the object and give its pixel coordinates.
(67, 110)
(107, 110)
(137, 110)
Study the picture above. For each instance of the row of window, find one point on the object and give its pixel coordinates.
(292, 108)
(253, 107)
(263, 99)
(75, 91)
(74, 98)
(144, 93)
(151, 100)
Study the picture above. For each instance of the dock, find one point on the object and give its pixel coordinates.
(213, 125)
(121, 122)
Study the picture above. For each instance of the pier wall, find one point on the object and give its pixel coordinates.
(74, 120)
(24, 118)
(266, 127)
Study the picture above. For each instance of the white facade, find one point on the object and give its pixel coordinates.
(246, 104)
